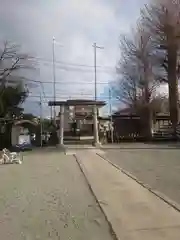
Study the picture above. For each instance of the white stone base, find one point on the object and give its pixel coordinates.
(61, 146)
(98, 145)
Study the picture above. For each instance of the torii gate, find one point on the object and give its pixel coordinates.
(90, 103)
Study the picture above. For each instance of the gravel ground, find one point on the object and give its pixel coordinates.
(159, 168)
(47, 197)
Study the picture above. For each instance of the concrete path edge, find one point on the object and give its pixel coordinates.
(115, 237)
(158, 194)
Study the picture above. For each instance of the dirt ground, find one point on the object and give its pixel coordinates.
(47, 197)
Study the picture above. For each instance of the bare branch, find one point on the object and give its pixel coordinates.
(12, 60)
(135, 69)
(162, 21)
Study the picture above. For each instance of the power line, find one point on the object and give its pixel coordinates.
(70, 64)
(42, 87)
(76, 69)
(69, 82)
(68, 97)
(62, 97)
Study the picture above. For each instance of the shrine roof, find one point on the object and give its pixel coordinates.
(77, 102)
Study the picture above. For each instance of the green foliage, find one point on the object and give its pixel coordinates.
(13, 64)
(48, 125)
(10, 98)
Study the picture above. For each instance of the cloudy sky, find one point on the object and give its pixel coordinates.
(76, 25)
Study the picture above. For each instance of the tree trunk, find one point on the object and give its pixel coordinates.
(173, 87)
(146, 123)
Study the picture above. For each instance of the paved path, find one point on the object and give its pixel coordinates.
(159, 168)
(47, 197)
(133, 211)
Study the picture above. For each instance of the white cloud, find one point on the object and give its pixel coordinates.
(76, 24)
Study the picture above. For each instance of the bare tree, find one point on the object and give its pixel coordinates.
(162, 20)
(13, 62)
(136, 84)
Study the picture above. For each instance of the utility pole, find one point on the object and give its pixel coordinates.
(41, 123)
(51, 113)
(110, 113)
(54, 77)
(54, 74)
(95, 70)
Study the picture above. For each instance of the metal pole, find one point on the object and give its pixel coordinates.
(51, 112)
(61, 130)
(95, 72)
(54, 77)
(41, 126)
(110, 112)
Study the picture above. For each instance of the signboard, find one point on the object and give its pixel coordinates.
(24, 139)
(83, 109)
(24, 131)
(81, 112)
(80, 116)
